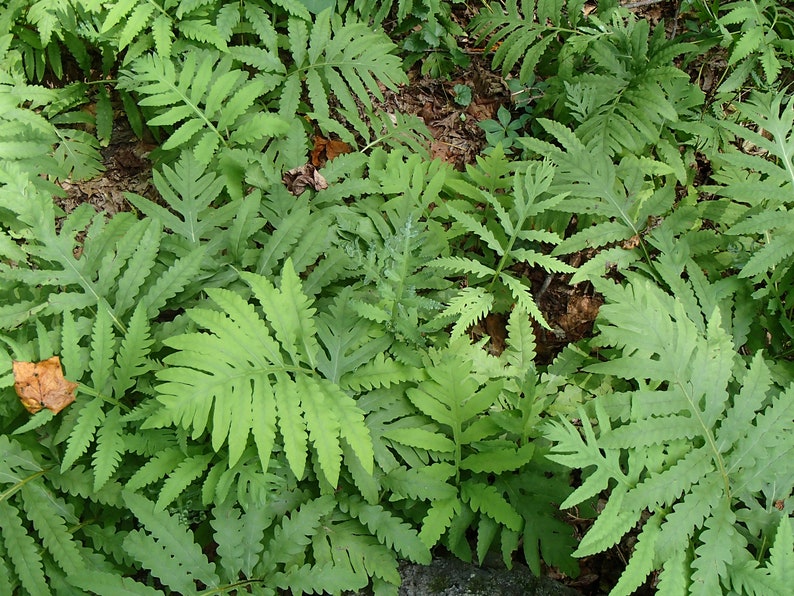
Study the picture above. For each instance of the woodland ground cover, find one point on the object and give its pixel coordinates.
(347, 317)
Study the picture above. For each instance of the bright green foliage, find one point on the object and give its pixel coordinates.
(758, 34)
(278, 393)
(631, 90)
(759, 198)
(699, 437)
(209, 103)
(506, 238)
(255, 376)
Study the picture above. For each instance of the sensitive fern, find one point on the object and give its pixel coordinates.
(704, 438)
(255, 375)
(507, 239)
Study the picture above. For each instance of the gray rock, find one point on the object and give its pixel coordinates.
(452, 577)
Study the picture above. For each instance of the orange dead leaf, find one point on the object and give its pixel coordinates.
(42, 384)
(326, 150)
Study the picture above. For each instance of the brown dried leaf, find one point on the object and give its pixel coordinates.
(326, 150)
(298, 179)
(42, 384)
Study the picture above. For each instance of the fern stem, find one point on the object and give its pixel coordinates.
(18, 486)
(106, 398)
(225, 589)
(710, 438)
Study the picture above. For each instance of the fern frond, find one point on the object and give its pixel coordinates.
(167, 549)
(295, 533)
(90, 417)
(239, 537)
(52, 529)
(155, 469)
(487, 500)
(180, 478)
(438, 519)
(109, 448)
(390, 530)
(241, 359)
(347, 58)
(189, 189)
(103, 582)
(22, 550)
(699, 477)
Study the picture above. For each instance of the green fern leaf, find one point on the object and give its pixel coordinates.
(138, 269)
(90, 417)
(103, 346)
(22, 550)
(180, 478)
(487, 500)
(162, 34)
(103, 582)
(428, 483)
(52, 529)
(389, 529)
(131, 361)
(155, 469)
(781, 558)
(323, 427)
(499, 460)
(295, 8)
(311, 579)
(287, 234)
(109, 448)
(167, 548)
(290, 313)
(295, 533)
(347, 58)
(520, 350)
(6, 577)
(378, 372)
(642, 561)
(470, 305)
(201, 30)
(291, 424)
(688, 515)
(134, 23)
(612, 523)
(714, 555)
(422, 439)
(115, 15)
(761, 454)
(463, 265)
(172, 281)
(239, 537)
(438, 519)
